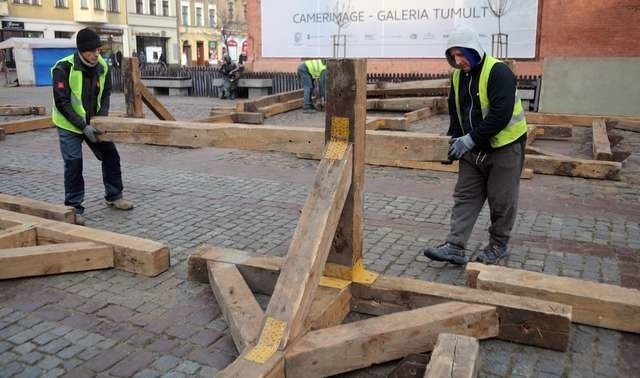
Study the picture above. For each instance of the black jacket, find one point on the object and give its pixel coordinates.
(90, 90)
(501, 90)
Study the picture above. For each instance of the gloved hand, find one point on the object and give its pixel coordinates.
(91, 133)
(459, 146)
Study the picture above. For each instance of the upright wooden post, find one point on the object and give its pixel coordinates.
(346, 97)
(131, 81)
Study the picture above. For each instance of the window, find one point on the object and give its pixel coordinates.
(199, 16)
(185, 15)
(112, 6)
(83, 4)
(212, 16)
(139, 8)
(152, 7)
(60, 3)
(165, 7)
(97, 4)
(62, 34)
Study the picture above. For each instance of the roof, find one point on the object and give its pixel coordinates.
(36, 43)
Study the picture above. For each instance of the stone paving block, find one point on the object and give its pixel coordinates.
(188, 367)
(71, 363)
(24, 348)
(31, 357)
(45, 338)
(4, 346)
(53, 373)
(30, 372)
(70, 351)
(55, 346)
(49, 362)
(79, 372)
(23, 337)
(166, 363)
(132, 364)
(107, 359)
(147, 373)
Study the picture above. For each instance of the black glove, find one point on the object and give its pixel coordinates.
(90, 132)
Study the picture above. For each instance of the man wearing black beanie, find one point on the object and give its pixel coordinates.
(81, 90)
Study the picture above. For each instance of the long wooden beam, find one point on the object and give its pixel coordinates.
(567, 166)
(15, 110)
(17, 237)
(454, 356)
(387, 123)
(292, 139)
(366, 342)
(573, 119)
(52, 259)
(553, 132)
(37, 208)
(254, 105)
(593, 303)
(281, 107)
(527, 173)
(23, 125)
(403, 104)
(154, 104)
(601, 144)
(522, 320)
(130, 86)
(131, 253)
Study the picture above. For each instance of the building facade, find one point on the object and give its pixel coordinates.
(153, 29)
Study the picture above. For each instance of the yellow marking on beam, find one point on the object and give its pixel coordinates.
(356, 273)
(269, 341)
(339, 139)
(361, 275)
(335, 283)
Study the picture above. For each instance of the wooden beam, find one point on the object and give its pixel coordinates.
(531, 134)
(222, 109)
(572, 119)
(52, 259)
(154, 104)
(24, 125)
(240, 309)
(387, 123)
(244, 368)
(281, 107)
(593, 303)
(626, 125)
(421, 113)
(363, 343)
(132, 254)
(432, 166)
(329, 308)
(16, 110)
(553, 132)
(17, 237)
(439, 87)
(292, 139)
(533, 150)
(522, 320)
(454, 356)
(254, 118)
(402, 104)
(37, 208)
(223, 117)
(567, 166)
(601, 144)
(254, 105)
(310, 246)
(130, 85)
(347, 94)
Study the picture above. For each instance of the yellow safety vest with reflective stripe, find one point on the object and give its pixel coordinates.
(517, 124)
(315, 67)
(75, 85)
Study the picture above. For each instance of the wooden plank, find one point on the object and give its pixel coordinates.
(363, 343)
(222, 109)
(432, 166)
(224, 118)
(130, 85)
(329, 308)
(300, 274)
(240, 309)
(419, 114)
(531, 134)
(254, 105)
(292, 139)
(553, 132)
(243, 368)
(346, 96)
(24, 125)
(132, 254)
(573, 119)
(281, 107)
(254, 118)
(37, 208)
(533, 150)
(402, 104)
(601, 144)
(522, 320)
(454, 356)
(439, 87)
(567, 166)
(387, 123)
(17, 237)
(17, 110)
(154, 104)
(593, 303)
(626, 125)
(52, 259)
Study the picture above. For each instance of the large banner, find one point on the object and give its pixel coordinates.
(386, 29)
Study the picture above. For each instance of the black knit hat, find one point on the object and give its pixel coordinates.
(87, 40)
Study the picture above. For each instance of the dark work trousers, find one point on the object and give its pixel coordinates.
(106, 152)
(496, 177)
(307, 84)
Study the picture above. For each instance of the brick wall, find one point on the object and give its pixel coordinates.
(571, 28)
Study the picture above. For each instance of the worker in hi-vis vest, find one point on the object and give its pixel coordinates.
(81, 90)
(488, 134)
(311, 71)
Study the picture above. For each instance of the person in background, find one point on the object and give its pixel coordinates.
(310, 71)
(488, 133)
(142, 60)
(81, 90)
(163, 60)
(230, 77)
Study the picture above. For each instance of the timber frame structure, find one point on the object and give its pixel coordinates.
(323, 278)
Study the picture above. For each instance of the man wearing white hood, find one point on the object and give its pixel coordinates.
(488, 132)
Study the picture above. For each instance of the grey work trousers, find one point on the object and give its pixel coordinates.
(494, 177)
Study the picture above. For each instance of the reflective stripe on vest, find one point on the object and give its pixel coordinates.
(75, 87)
(517, 125)
(315, 67)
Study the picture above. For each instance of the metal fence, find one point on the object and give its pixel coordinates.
(203, 77)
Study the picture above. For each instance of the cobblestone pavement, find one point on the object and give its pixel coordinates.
(115, 324)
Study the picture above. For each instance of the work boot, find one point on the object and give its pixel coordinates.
(492, 254)
(121, 204)
(448, 252)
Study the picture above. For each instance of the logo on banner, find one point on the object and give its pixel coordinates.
(297, 38)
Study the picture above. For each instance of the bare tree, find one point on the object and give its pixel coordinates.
(500, 41)
(340, 11)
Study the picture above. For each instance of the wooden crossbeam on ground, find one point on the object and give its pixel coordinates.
(403, 104)
(601, 144)
(523, 320)
(256, 118)
(53, 259)
(574, 119)
(366, 342)
(526, 174)
(533, 150)
(17, 110)
(254, 105)
(626, 125)
(154, 104)
(281, 107)
(24, 125)
(553, 132)
(131, 253)
(593, 303)
(567, 166)
(37, 208)
(454, 356)
(130, 86)
(439, 87)
(387, 123)
(17, 237)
